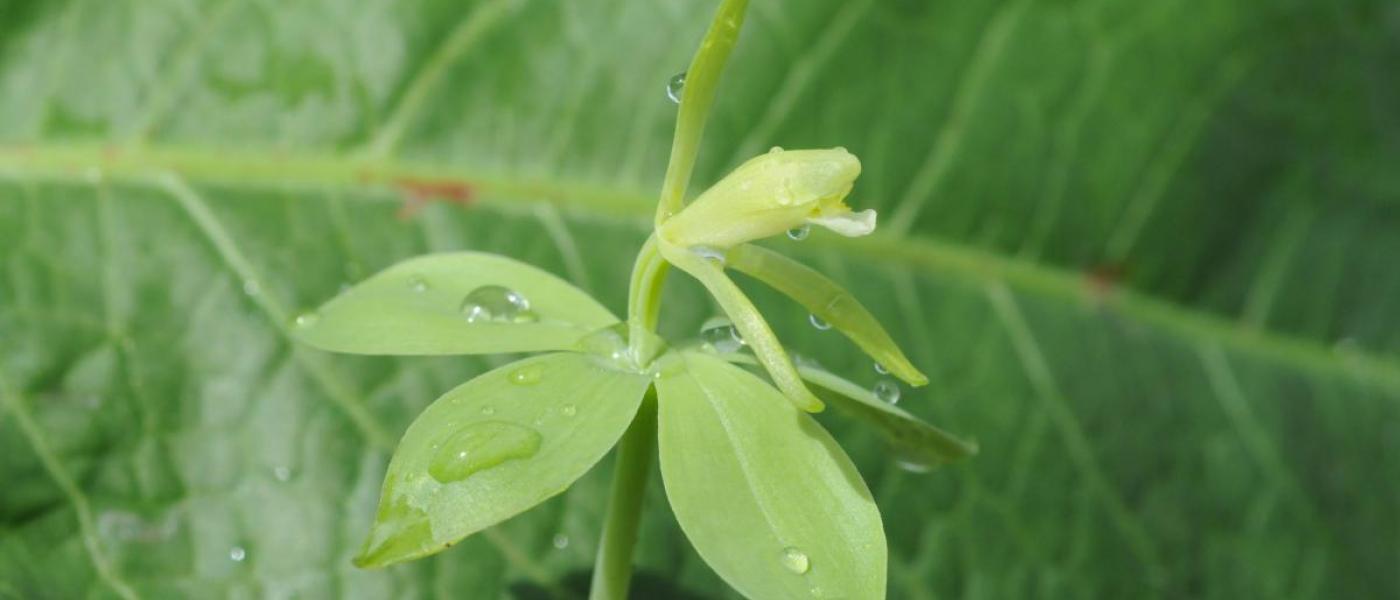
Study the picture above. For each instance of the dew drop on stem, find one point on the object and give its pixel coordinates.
(675, 86)
(720, 333)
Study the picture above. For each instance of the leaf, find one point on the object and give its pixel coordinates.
(454, 303)
(496, 446)
(828, 301)
(1143, 251)
(767, 497)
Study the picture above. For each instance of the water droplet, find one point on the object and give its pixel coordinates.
(526, 375)
(497, 304)
(674, 87)
(879, 368)
(720, 333)
(775, 149)
(887, 390)
(251, 287)
(913, 466)
(799, 233)
(804, 361)
(282, 473)
(568, 410)
(481, 446)
(237, 554)
(795, 560)
(488, 410)
(818, 322)
(307, 319)
(608, 342)
(709, 253)
(418, 284)
(560, 541)
(817, 591)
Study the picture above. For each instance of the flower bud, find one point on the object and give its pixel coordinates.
(771, 194)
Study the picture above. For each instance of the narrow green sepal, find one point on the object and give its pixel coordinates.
(828, 301)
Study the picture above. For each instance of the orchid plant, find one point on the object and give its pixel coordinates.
(762, 491)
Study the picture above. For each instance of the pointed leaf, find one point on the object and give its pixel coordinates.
(828, 301)
(496, 446)
(455, 303)
(765, 494)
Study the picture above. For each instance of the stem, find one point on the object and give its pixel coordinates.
(612, 573)
(644, 300)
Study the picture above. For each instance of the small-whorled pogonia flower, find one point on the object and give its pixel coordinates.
(771, 194)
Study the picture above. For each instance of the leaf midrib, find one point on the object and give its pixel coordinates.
(81, 161)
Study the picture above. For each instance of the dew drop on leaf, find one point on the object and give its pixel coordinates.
(560, 541)
(237, 554)
(488, 410)
(775, 149)
(481, 446)
(887, 391)
(714, 255)
(526, 375)
(795, 560)
(818, 322)
(799, 233)
(674, 87)
(721, 334)
(418, 284)
(307, 319)
(494, 303)
(568, 410)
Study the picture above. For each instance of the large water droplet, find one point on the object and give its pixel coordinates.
(527, 375)
(674, 87)
(709, 253)
(497, 304)
(481, 446)
(887, 391)
(720, 333)
(818, 322)
(237, 554)
(418, 284)
(799, 233)
(307, 319)
(560, 541)
(795, 560)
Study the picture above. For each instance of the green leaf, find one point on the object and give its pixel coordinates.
(1144, 252)
(765, 494)
(828, 301)
(454, 303)
(496, 446)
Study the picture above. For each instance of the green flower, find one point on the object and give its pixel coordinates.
(770, 194)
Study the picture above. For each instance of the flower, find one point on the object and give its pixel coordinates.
(770, 194)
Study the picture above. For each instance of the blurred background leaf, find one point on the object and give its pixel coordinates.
(1145, 251)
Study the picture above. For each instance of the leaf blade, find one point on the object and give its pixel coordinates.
(496, 446)
(797, 520)
(415, 307)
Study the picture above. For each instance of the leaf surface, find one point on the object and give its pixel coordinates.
(765, 494)
(496, 446)
(454, 303)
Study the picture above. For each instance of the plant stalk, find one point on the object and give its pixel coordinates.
(612, 573)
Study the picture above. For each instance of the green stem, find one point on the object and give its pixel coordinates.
(644, 300)
(612, 573)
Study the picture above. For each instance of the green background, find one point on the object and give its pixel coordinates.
(1146, 252)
